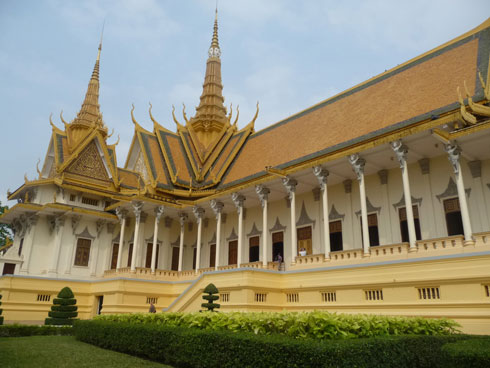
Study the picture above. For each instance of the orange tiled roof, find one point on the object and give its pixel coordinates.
(409, 93)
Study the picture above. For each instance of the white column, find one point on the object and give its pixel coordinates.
(401, 152)
(454, 155)
(263, 193)
(290, 185)
(198, 213)
(137, 206)
(349, 218)
(433, 231)
(238, 200)
(322, 175)
(95, 249)
(158, 214)
(56, 224)
(475, 169)
(182, 219)
(386, 214)
(358, 166)
(121, 214)
(29, 222)
(217, 207)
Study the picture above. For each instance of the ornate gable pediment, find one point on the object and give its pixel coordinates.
(89, 163)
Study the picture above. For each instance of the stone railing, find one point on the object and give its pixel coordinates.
(424, 248)
(310, 260)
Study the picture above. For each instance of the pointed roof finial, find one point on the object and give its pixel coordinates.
(214, 50)
(100, 44)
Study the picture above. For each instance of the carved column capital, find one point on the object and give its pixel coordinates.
(55, 223)
(238, 200)
(159, 213)
(322, 176)
(263, 193)
(121, 213)
(401, 152)
(454, 154)
(137, 207)
(290, 185)
(217, 207)
(198, 213)
(182, 219)
(358, 164)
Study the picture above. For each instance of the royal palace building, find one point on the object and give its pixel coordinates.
(376, 200)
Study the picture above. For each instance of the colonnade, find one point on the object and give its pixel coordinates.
(262, 191)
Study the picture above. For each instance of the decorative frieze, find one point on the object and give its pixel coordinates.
(277, 226)
(23, 224)
(451, 190)
(85, 234)
(254, 231)
(304, 219)
(401, 202)
(334, 215)
(475, 168)
(55, 223)
(347, 186)
(383, 176)
(424, 164)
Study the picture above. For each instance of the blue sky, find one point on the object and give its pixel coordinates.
(286, 54)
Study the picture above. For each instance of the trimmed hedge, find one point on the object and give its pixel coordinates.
(317, 324)
(33, 330)
(1, 310)
(468, 353)
(188, 347)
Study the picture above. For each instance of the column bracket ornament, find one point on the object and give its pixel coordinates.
(401, 152)
(322, 175)
(358, 164)
(217, 207)
(238, 200)
(454, 154)
(263, 193)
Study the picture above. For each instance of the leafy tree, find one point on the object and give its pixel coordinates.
(210, 290)
(64, 310)
(5, 230)
(1, 317)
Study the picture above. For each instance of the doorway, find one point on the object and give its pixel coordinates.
(277, 245)
(402, 214)
(253, 250)
(115, 253)
(304, 235)
(149, 250)
(336, 242)
(175, 259)
(212, 255)
(100, 302)
(454, 221)
(233, 252)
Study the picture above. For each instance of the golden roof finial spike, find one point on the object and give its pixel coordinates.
(100, 44)
(214, 50)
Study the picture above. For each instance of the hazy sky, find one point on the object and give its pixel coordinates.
(286, 54)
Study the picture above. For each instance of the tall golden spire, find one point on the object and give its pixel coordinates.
(89, 115)
(211, 112)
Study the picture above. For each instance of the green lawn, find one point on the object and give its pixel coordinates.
(62, 351)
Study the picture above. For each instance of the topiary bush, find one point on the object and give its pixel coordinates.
(1, 310)
(64, 311)
(211, 296)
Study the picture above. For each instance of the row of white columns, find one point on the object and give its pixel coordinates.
(358, 164)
